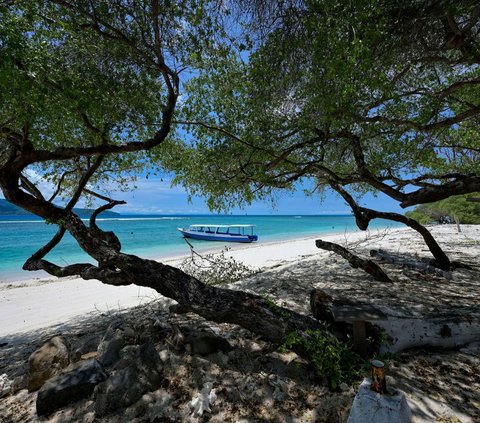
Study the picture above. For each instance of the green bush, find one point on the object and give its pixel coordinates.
(330, 357)
(453, 209)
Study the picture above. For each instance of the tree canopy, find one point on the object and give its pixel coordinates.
(370, 95)
(88, 93)
(364, 96)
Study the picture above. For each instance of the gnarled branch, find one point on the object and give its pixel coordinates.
(356, 262)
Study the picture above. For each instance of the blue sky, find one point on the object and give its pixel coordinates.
(157, 196)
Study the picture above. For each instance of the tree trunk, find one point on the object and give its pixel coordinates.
(273, 323)
(364, 215)
(457, 221)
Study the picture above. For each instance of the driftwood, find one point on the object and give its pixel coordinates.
(337, 312)
(421, 266)
(449, 329)
(449, 332)
(355, 261)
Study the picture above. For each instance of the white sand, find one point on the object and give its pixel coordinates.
(35, 304)
(441, 386)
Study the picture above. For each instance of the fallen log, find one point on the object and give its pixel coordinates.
(447, 332)
(355, 261)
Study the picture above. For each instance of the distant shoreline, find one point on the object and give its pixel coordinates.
(32, 217)
(155, 236)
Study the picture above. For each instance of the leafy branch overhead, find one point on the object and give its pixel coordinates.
(364, 97)
(88, 92)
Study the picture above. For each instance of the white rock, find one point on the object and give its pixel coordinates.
(5, 385)
(202, 401)
(164, 354)
(372, 407)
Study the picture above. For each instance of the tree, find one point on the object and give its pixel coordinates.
(456, 209)
(363, 96)
(88, 94)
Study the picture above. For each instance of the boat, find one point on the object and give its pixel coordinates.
(224, 233)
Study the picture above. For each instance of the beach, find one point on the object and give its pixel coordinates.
(36, 303)
(32, 311)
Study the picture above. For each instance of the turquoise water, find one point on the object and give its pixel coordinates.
(150, 236)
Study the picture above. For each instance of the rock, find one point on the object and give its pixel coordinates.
(69, 386)
(164, 355)
(472, 349)
(49, 360)
(281, 388)
(115, 338)
(141, 373)
(88, 356)
(254, 347)
(6, 385)
(154, 329)
(19, 383)
(88, 345)
(204, 343)
(371, 407)
(221, 359)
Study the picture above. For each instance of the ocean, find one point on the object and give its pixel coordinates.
(152, 236)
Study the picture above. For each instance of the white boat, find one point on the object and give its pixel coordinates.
(228, 233)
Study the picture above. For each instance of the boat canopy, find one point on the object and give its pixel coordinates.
(228, 233)
(222, 229)
(222, 226)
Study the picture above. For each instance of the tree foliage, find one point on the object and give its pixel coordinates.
(356, 96)
(89, 91)
(454, 209)
(371, 95)
(239, 99)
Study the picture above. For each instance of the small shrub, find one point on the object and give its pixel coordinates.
(272, 305)
(215, 269)
(330, 358)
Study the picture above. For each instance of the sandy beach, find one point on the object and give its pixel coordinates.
(38, 303)
(440, 385)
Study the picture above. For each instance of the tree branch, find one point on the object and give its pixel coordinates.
(59, 185)
(83, 182)
(364, 215)
(42, 252)
(86, 271)
(29, 186)
(367, 265)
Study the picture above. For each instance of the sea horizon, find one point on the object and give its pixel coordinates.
(154, 236)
